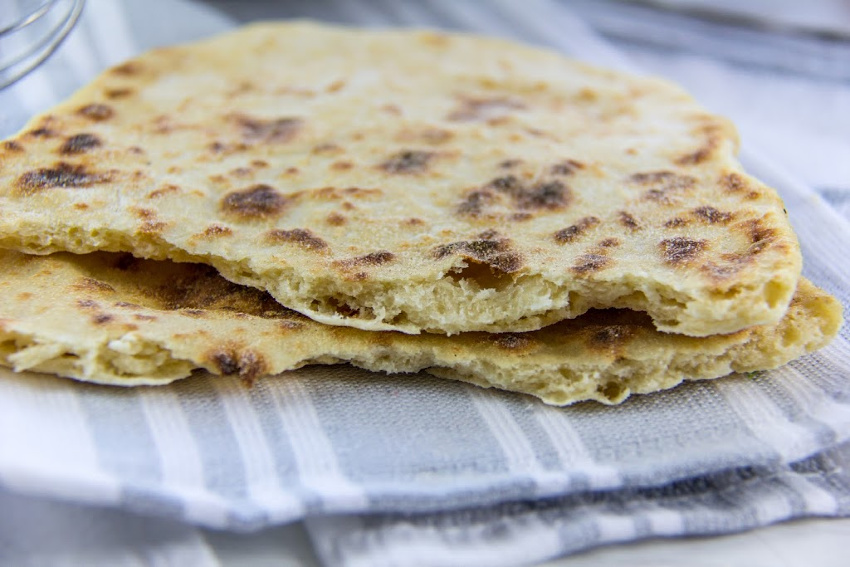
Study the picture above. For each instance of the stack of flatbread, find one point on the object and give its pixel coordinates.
(293, 194)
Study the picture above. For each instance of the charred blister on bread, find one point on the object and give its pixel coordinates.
(245, 363)
(61, 175)
(628, 220)
(370, 260)
(80, 144)
(96, 112)
(216, 230)
(522, 199)
(711, 215)
(681, 250)
(258, 202)
(574, 231)
(590, 263)
(408, 162)
(303, 237)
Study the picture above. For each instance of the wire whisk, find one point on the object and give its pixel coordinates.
(33, 35)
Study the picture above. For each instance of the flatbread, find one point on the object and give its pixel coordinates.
(408, 180)
(114, 319)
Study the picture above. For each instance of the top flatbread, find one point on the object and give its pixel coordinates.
(410, 181)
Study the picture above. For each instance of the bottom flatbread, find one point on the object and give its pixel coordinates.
(115, 319)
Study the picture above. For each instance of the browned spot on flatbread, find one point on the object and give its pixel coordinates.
(608, 338)
(144, 214)
(408, 162)
(13, 146)
(241, 172)
(87, 304)
(609, 243)
(342, 165)
(336, 86)
(41, 132)
(300, 236)
(572, 232)
(628, 220)
(393, 109)
(372, 259)
(510, 163)
(164, 190)
(677, 222)
(335, 219)
(435, 136)
(493, 252)
(328, 148)
(118, 93)
(548, 195)
(268, 131)
(258, 202)
(62, 175)
(128, 69)
(92, 284)
(733, 182)
(215, 230)
(759, 235)
(712, 138)
(96, 112)
(509, 184)
(245, 363)
(566, 167)
(513, 342)
(102, 318)
(143, 317)
(79, 144)
(430, 136)
(482, 109)
(719, 272)
(663, 185)
(712, 215)
(475, 202)
(152, 227)
(651, 177)
(756, 230)
(681, 250)
(590, 262)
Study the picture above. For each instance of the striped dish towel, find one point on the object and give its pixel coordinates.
(411, 470)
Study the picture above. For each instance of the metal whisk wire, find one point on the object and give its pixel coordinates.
(26, 60)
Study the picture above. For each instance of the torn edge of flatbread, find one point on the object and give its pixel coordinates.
(114, 319)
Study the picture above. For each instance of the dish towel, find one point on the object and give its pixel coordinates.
(409, 469)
